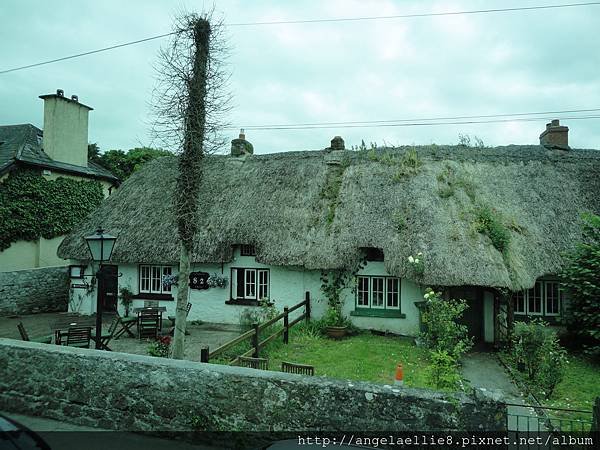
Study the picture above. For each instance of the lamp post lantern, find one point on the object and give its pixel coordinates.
(100, 245)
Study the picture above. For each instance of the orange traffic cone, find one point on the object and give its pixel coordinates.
(399, 375)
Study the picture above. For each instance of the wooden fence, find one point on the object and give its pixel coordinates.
(254, 333)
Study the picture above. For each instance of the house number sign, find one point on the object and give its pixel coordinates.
(198, 280)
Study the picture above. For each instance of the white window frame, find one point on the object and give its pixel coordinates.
(547, 297)
(544, 289)
(360, 293)
(541, 299)
(383, 292)
(396, 282)
(263, 283)
(250, 284)
(522, 295)
(369, 305)
(146, 278)
(258, 278)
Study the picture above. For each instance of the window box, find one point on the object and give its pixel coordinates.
(142, 296)
(370, 312)
(243, 302)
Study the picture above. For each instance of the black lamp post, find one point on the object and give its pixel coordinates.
(101, 246)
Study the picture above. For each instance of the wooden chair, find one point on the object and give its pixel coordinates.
(25, 336)
(254, 363)
(79, 337)
(301, 369)
(127, 324)
(148, 324)
(172, 318)
(108, 336)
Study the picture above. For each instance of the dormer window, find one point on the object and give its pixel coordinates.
(374, 254)
(247, 250)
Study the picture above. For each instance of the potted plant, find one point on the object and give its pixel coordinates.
(126, 299)
(335, 324)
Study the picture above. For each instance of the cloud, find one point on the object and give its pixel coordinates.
(366, 70)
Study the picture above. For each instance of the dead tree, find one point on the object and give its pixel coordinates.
(190, 101)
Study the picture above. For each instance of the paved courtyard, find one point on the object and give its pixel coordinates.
(200, 335)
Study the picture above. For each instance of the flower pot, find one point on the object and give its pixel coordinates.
(336, 332)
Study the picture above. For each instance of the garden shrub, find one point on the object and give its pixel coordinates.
(442, 332)
(536, 348)
(160, 347)
(581, 279)
(265, 312)
(443, 372)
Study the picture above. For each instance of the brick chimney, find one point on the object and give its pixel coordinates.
(65, 128)
(555, 135)
(240, 146)
(337, 143)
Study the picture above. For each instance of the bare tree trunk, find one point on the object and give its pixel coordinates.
(190, 173)
(182, 300)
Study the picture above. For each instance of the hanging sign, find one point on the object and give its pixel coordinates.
(198, 280)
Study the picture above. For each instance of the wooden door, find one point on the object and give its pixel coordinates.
(108, 286)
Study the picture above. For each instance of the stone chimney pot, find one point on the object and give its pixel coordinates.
(240, 146)
(337, 143)
(555, 136)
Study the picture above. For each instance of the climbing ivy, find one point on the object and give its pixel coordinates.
(32, 207)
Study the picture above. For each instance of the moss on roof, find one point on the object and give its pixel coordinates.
(384, 199)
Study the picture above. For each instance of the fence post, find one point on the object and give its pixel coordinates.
(255, 340)
(307, 306)
(286, 322)
(596, 415)
(204, 354)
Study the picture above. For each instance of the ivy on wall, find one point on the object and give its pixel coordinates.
(32, 207)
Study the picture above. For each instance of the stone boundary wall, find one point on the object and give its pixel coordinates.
(33, 291)
(142, 393)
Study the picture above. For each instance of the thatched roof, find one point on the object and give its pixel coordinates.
(294, 209)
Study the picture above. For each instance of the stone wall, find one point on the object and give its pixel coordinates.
(34, 291)
(139, 393)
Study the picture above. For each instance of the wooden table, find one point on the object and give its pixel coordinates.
(72, 321)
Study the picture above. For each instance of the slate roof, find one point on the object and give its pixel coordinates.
(22, 144)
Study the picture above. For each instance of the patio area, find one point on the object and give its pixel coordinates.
(200, 335)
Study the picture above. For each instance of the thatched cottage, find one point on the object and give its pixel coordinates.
(485, 224)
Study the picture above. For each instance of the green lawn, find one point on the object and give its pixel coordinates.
(579, 387)
(364, 357)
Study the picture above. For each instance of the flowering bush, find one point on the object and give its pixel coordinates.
(417, 264)
(170, 280)
(161, 347)
(443, 372)
(216, 280)
(442, 330)
(536, 348)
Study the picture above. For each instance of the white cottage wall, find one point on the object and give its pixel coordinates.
(288, 286)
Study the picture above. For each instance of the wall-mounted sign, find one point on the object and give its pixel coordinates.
(198, 280)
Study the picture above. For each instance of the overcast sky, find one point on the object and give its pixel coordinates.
(527, 61)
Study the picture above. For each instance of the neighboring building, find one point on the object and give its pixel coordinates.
(488, 221)
(59, 151)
